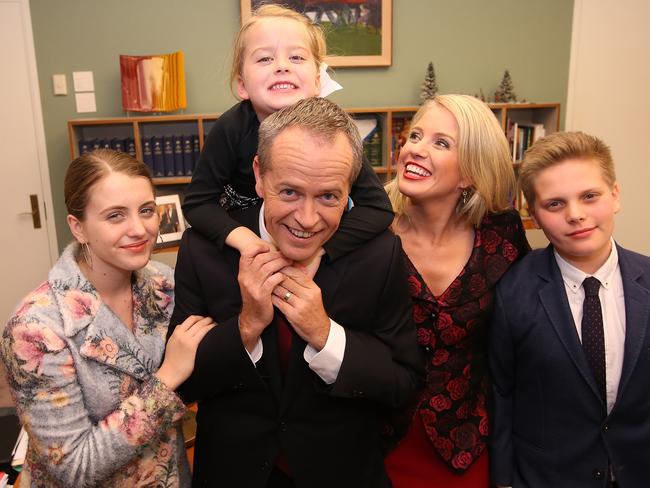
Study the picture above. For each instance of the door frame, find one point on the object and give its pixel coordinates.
(47, 208)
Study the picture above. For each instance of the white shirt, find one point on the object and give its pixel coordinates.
(613, 308)
(326, 363)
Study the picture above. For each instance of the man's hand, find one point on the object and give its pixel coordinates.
(258, 276)
(300, 300)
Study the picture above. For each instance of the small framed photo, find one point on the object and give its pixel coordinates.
(359, 32)
(172, 223)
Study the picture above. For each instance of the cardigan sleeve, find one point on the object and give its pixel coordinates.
(64, 441)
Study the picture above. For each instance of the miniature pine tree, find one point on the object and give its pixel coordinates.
(505, 93)
(429, 86)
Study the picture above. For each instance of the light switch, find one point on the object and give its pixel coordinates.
(60, 85)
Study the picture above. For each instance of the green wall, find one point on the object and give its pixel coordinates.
(471, 43)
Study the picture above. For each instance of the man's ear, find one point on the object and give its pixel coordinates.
(76, 228)
(259, 184)
(241, 89)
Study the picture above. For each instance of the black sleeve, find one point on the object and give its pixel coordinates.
(221, 362)
(370, 216)
(384, 362)
(502, 358)
(226, 159)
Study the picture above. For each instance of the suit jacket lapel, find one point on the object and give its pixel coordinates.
(556, 305)
(637, 314)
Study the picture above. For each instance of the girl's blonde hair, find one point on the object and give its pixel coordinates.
(484, 160)
(317, 43)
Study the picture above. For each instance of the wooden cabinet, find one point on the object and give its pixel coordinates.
(137, 129)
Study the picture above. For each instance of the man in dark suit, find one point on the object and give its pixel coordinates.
(570, 342)
(293, 381)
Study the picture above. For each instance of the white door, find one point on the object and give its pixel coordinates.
(609, 97)
(26, 252)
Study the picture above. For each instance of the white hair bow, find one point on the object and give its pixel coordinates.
(327, 84)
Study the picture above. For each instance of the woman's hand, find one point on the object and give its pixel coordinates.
(181, 350)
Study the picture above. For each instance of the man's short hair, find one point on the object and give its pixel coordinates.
(557, 148)
(319, 117)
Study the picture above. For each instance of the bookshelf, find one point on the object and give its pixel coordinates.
(386, 130)
(137, 129)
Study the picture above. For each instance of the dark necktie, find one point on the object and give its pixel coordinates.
(284, 340)
(284, 348)
(593, 336)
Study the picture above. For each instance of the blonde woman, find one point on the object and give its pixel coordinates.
(452, 202)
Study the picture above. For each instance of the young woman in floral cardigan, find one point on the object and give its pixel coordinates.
(452, 202)
(83, 351)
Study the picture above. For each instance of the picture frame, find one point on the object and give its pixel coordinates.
(172, 222)
(358, 32)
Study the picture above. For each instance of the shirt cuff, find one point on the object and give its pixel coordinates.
(326, 363)
(256, 353)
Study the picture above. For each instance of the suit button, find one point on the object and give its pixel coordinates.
(283, 426)
(598, 474)
(427, 348)
(605, 428)
(265, 466)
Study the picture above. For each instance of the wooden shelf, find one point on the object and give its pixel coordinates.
(392, 123)
(172, 180)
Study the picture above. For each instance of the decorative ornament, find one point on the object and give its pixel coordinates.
(505, 93)
(429, 85)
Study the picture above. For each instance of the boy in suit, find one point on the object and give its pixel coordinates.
(569, 345)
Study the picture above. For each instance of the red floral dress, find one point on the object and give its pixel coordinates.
(452, 330)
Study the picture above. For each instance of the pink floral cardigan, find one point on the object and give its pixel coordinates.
(83, 383)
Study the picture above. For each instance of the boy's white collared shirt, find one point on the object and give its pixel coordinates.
(613, 307)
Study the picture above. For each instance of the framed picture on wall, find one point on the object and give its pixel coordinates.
(358, 32)
(172, 223)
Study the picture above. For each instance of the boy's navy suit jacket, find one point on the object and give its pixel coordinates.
(549, 425)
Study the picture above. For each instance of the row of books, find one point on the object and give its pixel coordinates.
(522, 136)
(123, 145)
(171, 155)
(166, 156)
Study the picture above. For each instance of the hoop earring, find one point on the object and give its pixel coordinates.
(160, 238)
(85, 253)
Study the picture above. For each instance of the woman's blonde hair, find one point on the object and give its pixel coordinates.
(484, 160)
(317, 43)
